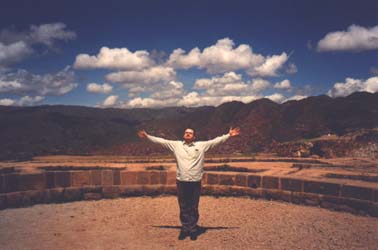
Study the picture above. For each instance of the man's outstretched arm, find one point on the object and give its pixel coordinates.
(220, 139)
(165, 143)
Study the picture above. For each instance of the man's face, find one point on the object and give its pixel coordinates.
(189, 135)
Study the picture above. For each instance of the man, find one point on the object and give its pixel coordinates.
(190, 160)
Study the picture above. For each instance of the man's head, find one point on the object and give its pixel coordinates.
(189, 135)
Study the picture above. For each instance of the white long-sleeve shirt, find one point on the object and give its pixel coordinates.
(189, 157)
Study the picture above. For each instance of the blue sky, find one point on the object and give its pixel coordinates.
(130, 54)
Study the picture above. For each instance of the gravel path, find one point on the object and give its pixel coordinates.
(152, 223)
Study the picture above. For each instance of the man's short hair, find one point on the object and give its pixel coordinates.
(194, 132)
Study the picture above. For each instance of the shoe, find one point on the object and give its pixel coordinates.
(193, 236)
(200, 230)
(182, 235)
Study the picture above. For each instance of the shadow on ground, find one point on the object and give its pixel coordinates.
(200, 230)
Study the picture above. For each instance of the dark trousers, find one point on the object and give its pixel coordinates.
(188, 195)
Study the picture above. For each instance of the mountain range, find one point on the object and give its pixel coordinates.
(57, 129)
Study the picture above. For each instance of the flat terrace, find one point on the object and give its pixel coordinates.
(339, 184)
(146, 223)
(107, 202)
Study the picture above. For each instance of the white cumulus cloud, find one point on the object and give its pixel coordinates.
(291, 68)
(23, 101)
(192, 99)
(18, 45)
(117, 58)
(149, 102)
(356, 38)
(285, 84)
(296, 97)
(158, 74)
(99, 88)
(29, 101)
(259, 84)
(218, 58)
(221, 85)
(7, 102)
(23, 82)
(230, 83)
(110, 101)
(276, 97)
(170, 90)
(353, 85)
(49, 33)
(13, 52)
(149, 73)
(270, 66)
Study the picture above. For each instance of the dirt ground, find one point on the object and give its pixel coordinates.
(153, 223)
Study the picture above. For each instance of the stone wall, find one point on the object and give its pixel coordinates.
(24, 189)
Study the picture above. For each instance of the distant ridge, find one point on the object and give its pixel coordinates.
(60, 129)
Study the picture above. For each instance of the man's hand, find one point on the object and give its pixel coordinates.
(234, 131)
(142, 134)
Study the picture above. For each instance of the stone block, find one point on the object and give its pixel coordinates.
(335, 203)
(81, 178)
(271, 194)
(207, 189)
(143, 178)
(312, 199)
(238, 191)
(254, 193)
(375, 195)
(31, 181)
(226, 179)
(73, 194)
(373, 209)
(62, 178)
(111, 191)
(3, 201)
(10, 182)
(306, 198)
(361, 193)
(155, 177)
(204, 179)
(221, 190)
(14, 199)
(132, 190)
(152, 190)
(318, 187)
(241, 180)
(116, 177)
(254, 181)
(92, 196)
(1, 184)
(350, 205)
(171, 178)
(290, 184)
(170, 189)
(163, 177)
(362, 207)
(54, 195)
(92, 189)
(96, 177)
(285, 196)
(50, 179)
(297, 198)
(129, 178)
(212, 179)
(107, 177)
(31, 197)
(270, 182)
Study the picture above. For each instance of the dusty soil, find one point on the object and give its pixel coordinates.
(152, 223)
